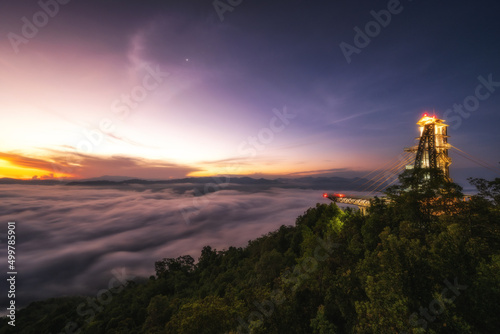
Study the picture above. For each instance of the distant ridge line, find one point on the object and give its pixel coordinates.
(316, 183)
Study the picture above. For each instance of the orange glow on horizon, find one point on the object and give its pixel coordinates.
(253, 169)
(11, 170)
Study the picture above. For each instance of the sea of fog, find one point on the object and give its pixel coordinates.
(73, 240)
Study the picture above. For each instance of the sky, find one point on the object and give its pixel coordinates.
(168, 89)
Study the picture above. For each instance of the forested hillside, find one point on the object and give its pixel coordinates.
(422, 261)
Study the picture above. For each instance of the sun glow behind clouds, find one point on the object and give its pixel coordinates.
(183, 124)
(223, 83)
(11, 170)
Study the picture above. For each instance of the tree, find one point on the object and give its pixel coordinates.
(160, 310)
(183, 264)
(422, 196)
(211, 315)
(321, 325)
(489, 190)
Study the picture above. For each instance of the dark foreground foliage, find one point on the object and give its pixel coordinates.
(423, 261)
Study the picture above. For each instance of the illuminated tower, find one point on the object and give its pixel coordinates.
(432, 149)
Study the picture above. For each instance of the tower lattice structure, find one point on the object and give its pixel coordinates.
(432, 149)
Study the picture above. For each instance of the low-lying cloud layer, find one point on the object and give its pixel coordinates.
(71, 238)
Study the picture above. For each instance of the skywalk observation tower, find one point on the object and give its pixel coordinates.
(430, 153)
(432, 149)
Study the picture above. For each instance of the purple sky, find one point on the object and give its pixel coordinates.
(165, 89)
